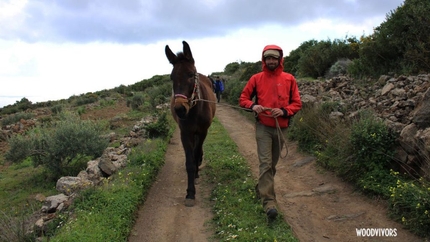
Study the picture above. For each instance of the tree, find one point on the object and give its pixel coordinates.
(400, 44)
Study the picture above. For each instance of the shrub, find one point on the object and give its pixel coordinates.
(86, 99)
(20, 148)
(339, 68)
(160, 128)
(372, 151)
(136, 101)
(81, 110)
(57, 109)
(121, 89)
(305, 128)
(410, 204)
(232, 91)
(159, 94)
(63, 148)
(231, 68)
(249, 70)
(107, 102)
(372, 142)
(291, 61)
(13, 118)
(152, 82)
(360, 151)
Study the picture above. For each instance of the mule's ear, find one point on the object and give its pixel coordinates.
(187, 51)
(170, 55)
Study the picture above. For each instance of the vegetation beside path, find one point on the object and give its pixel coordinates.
(107, 213)
(238, 215)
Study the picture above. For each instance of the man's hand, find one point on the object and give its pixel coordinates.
(276, 112)
(258, 108)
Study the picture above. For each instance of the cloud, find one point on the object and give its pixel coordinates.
(148, 21)
(53, 49)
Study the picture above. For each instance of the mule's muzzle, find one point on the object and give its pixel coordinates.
(182, 106)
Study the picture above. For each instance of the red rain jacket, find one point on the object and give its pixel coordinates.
(272, 89)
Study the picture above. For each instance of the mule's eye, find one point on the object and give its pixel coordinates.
(191, 75)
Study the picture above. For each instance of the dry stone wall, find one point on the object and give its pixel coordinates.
(402, 102)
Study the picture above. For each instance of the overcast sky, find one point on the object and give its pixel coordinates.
(51, 50)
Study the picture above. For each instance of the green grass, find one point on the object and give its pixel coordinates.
(19, 183)
(238, 215)
(107, 213)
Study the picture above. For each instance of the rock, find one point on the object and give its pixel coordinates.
(107, 167)
(324, 189)
(94, 173)
(304, 161)
(70, 184)
(387, 88)
(403, 103)
(422, 115)
(51, 203)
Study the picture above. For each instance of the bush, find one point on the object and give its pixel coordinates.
(305, 128)
(13, 118)
(136, 101)
(152, 82)
(160, 128)
(410, 204)
(57, 109)
(20, 148)
(86, 99)
(63, 149)
(372, 143)
(360, 152)
(291, 61)
(339, 68)
(232, 92)
(231, 68)
(159, 94)
(249, 70)
(400, 44)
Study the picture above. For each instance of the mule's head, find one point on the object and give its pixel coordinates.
(184, 79)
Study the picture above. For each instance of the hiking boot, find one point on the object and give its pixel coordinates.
(271, 214)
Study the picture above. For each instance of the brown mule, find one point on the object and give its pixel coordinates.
(193, 107)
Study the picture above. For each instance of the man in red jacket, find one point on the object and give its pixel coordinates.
(277, 98)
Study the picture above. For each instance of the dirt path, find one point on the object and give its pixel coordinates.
(164, 217)
(317, 205)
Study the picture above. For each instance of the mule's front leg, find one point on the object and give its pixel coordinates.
(198, 151)
(191, 174)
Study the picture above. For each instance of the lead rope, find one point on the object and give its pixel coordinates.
(281, 139)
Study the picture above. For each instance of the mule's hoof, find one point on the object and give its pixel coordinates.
(189, 202)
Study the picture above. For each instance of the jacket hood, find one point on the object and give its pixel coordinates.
(281, 58)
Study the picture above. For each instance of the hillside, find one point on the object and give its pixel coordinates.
(390, 97)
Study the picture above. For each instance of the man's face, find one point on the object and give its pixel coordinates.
(271, 62)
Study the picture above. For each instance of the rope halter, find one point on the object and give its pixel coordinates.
(188, 103)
